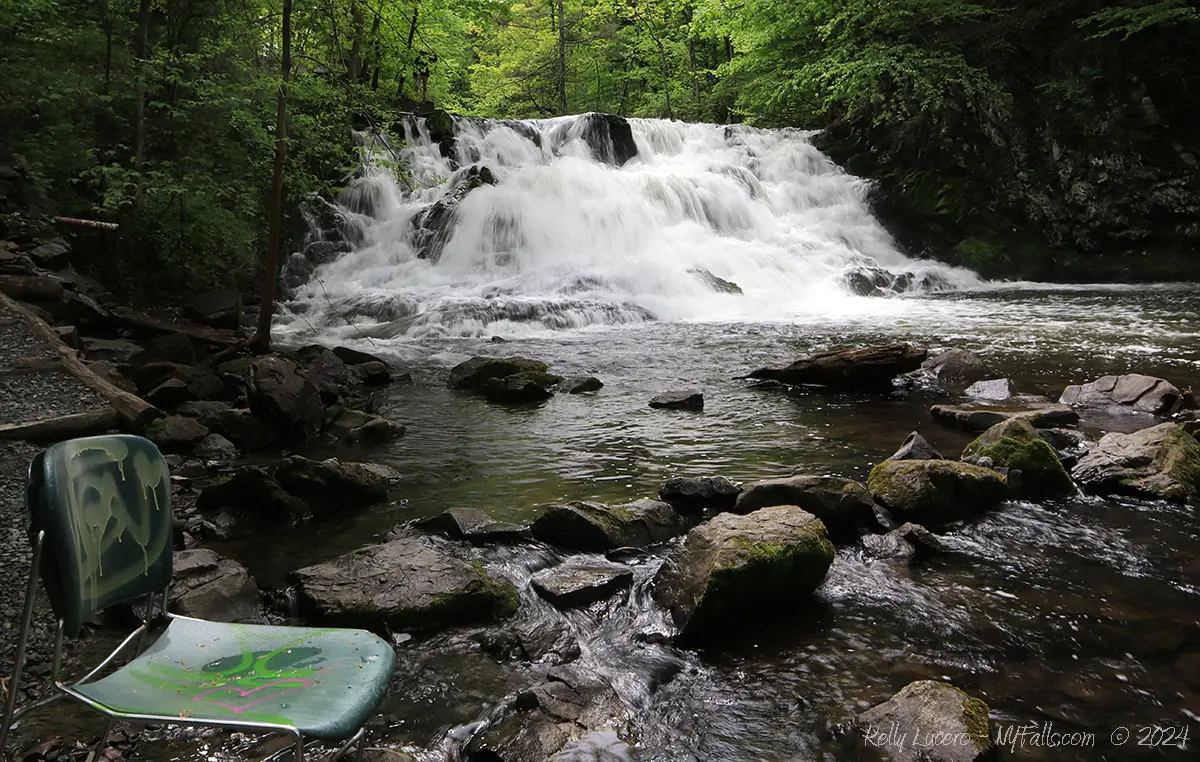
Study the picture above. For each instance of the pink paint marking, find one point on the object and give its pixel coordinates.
(300, 683)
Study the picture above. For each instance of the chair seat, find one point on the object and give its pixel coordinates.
(323, 682)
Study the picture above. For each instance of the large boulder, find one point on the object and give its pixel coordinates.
(1145, 394)
(331, 376)
(531, 386)
(117, 351)
(870, 368)
(843, 505)
(254, 492)
(1016, 444)
(242, 428)
(220, 309)
(928, 721)
(175, 433)
(699, 494)
(997, 389)
(474, 374)
(410, 582)
(1162, 461)
(978, 418)
(432, 227)
(208, 586)
(473, 525)
(735, 568)
(331, 483)
(597, 527)
(282, 394)
(200, 384)
(933, 492)
(957, 368)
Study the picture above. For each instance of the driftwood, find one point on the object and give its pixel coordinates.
(133, 412)
(51, 430)
(128, 318)
(866, 368)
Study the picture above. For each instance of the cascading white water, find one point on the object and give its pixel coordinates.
(564, 240)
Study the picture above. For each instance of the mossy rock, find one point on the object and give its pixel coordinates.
(530, 386)
(933, 492)
(736, 568)
(1016, 444)
(844, 506)
(928, 721)
(1159, 462)
(475, 373)
(598, 527)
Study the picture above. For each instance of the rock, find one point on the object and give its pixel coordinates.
(433, 226)
(175, 433)
(110, 372)
(252, 491)
(175, 347)
(243, 429)
(205, 411)
(697, 495)
(52, 255)
(683, 400)
(736, 568)
(572, 585)
(330, 483)
(355, 357)
(375, 431)
(916, 447)
(200, 383)
(406, 583)
(1145, 394)
(476, 372)
(842, 505)
(928, 721)
(719, 285)
(331, 376)
(216, 447)
(208, 586)
(32, 288)
(282, 394)
(547, 640)
(117, 351)
(69, 335)
(870, 368)
(903, 544)
(1016, 444)
(979, 419)
(374, 373)
(475, 526)
(169, 394)
(598, 527)
(934, 492)
(609, 137)
(521, 387)
(376, 754)
(1162, 461)
(994, 389)
(580, 385)
(219, 309)
(957, 367)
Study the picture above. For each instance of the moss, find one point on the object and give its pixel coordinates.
(1042, 473)
(936, 490)
(975, 717)
(155, 428)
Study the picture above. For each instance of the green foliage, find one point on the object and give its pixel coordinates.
(1128, 21)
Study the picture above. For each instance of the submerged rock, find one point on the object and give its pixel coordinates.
(331, 483)
(474, 374)
(1145, 394)
(531, 386)
(1016, 444)
(916, 447)
(703, 494)
(571, 585)
(580, 385)
(252, 491)
(903, 544)
(597, 527)
(928, 721)
(933, 492)
(843, 505)
(1162, 461)
(208, 586)
(475, 526)
(682, 400)
(734, 568)
(870, 368)
(406, 583)
(980, 418)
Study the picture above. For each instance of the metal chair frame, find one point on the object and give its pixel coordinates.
(12, 714)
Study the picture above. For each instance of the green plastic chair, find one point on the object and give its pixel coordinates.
(98, 511)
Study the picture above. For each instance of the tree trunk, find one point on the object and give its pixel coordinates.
(378, 53)
(412, 31)
(266, 310)
(562, 60)
(356, 30)
(139, 89)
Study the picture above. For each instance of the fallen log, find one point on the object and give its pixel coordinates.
(52, 430)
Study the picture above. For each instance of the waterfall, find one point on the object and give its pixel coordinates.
(588, 220)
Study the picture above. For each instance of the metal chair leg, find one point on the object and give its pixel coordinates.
(14, 685)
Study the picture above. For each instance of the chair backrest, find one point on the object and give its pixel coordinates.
(105, 506)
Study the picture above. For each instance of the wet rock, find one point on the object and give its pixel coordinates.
(254, 492)
(698, 495)
(475, 526)
(994, 389)
(374, 373)
(406, 583)
(572, 585)
(580, 385)
(330, 483)
(205, 411)
(547, 640)
(175, 433)
(216, 447)
(521, 387)
(607, 136)
(474, 374)
(376, 754)
(719, 285)
(957, 368)
(375, 431)
(934, 492)
(979, 419)
(52, 255)
(682, 400)
(1016, 444)
(598, 527)
(928, 721)
(903, 544)
(1145, 394)
(916, 447)
(169, 394)
(117, 351)
(1159, 462)
(356, 357)
(331, 376)
(736, 568)
(243, 429)
(869, 368)
(219, 309)
(208, 586)
(281, 393)
(845, 507)
(174, 347)
(432, 227)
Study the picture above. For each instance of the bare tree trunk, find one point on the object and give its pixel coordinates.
(378, 54)
(356, 30)
(412, 31)
(562, 60)
(266, 310)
